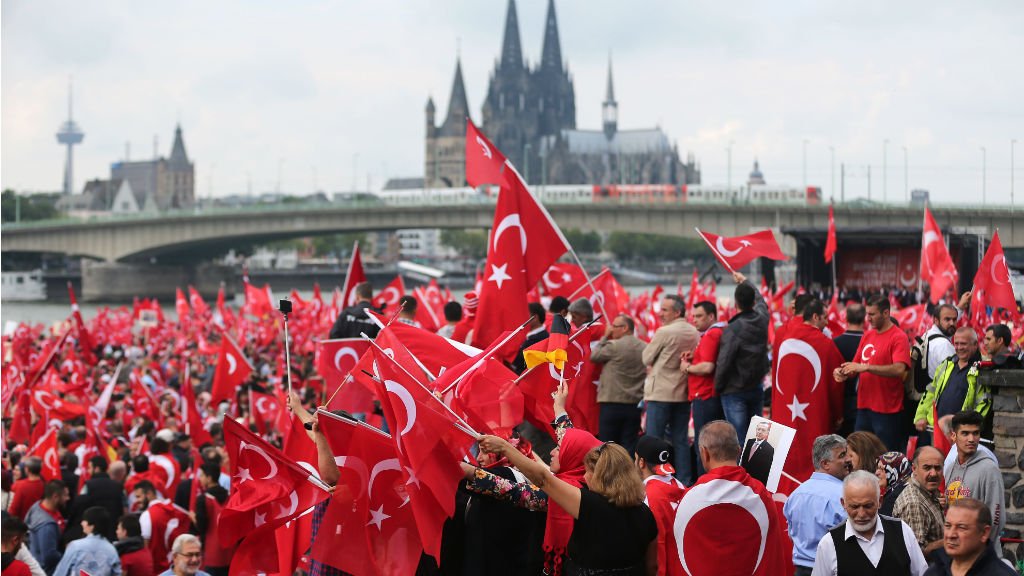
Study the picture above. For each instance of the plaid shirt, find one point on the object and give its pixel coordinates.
(317, 568)
(921, 511)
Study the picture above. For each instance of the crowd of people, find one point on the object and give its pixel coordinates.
(897, 476)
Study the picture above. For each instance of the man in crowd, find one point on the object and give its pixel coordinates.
(665, 390)
(726, 498)
(216, 555)
(758, 453)
(28, 490)
(848, 342)
(99, 490)
(46, 524)
(973, 475)
(883, 359)
(955, 386)
(699, 368)
(939, 337)
(581, 311)
(867, 543)
(535, 333)
(161, 521)
(622, 382)
(187, 557)
(654, 460)
(968, 545)
(816, 505)
(353, 320)
(743, 357)
(452, 315)
(997, 346)
(136, 559)
(407, 306)
(918, 505)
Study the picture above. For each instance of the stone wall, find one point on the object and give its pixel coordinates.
(1008, 425)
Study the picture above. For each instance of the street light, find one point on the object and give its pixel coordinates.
(906, 177)
(805, 164)
(832, 154)
(1012, 143)
(983, 165)
(885, 170)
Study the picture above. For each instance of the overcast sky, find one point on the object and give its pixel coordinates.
(299, 88)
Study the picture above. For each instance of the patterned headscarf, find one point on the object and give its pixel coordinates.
(897, 469)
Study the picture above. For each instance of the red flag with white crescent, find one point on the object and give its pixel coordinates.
(233, 369)
(387, 299)
(563, 279)
(485, 164)
(729, 515)
(353, 277)
(46, 449)
(937, 266)
(992, 282)
(335, 360)
(199, 305)
(804, 394)
(735, 253)
(830, 242)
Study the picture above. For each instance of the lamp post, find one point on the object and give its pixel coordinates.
(906, 176)
(983, 175)
(885, 170)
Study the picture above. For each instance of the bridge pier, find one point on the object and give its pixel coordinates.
(118, 282)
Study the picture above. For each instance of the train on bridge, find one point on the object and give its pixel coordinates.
(618, 194)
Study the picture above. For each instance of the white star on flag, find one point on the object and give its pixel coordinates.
(243, 475)
(499, 274)
(261, 519)
(797, 408)
(377, 517)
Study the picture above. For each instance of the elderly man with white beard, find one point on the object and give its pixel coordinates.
(867, 543)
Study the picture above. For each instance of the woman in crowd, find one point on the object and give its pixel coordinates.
(864, 449)
(94, 554)
(597, 521)
(893, 473)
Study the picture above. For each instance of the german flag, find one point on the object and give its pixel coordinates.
(553, 348)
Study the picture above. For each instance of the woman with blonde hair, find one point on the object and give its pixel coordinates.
(597, 520)
(864, 449)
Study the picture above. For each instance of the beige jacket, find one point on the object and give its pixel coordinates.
(622, 379)
(666, 382)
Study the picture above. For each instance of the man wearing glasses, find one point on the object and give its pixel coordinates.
(187, 557)
(622, 382)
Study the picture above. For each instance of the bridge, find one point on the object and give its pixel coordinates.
(195, 236)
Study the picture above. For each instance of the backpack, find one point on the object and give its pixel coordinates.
(918, 379)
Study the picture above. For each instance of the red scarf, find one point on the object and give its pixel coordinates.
(574, 446)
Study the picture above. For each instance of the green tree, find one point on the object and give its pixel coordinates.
(28, 207)
(337, 244)
(583, 242)
(630, 246)
(468, 243)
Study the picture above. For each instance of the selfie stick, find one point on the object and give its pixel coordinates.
(285, 306)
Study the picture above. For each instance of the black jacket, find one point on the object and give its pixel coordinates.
(353, 320)
(100, 490)
(988, 564)
(743, 353)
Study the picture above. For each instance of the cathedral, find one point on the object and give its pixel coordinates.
(530, 115)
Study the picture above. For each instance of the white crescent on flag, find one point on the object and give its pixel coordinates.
(232, 363)
(727, 494)
(800, 348)
(343, 352)
(1000, 259)
(383, 465)
(407, 400)
(720, 246)
(510, 221)
(293, 505)
(243, 445)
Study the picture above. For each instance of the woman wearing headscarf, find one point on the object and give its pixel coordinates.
(893, 473)
(597, 522)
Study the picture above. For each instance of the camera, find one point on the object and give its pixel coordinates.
(285, 306)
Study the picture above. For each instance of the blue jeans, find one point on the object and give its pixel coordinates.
(619, 423)
(740, 407)
(885, 426)
(675, 417)
(704, 411)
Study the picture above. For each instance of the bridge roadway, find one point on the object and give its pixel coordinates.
(189, 235)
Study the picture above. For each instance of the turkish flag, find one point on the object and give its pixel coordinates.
(85, 341)
(426, 314)
(910, 319)
(21, 419)
(729, 516)
(804, 394)
(539, 382)
(610, 298)
(939, 437)
(992, 281)
(199, 306)
(181, 305)
(830, 242)
(266, 411)
(563, 279)
(50, 406)
(484, 162)
(367, 528)
(267, 487)
(335, 360)
(233, 369)
(735, 253)
(257, 300)
(353, 277)
(46, 449)
(387, 299)
(937, 266)
(430, 442)
(836, 321)
(191, 420)
(415, 347)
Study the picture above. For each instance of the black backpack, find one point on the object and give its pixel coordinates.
(919, 363)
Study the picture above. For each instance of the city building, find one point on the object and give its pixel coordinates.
(530, 115)
(170, 181)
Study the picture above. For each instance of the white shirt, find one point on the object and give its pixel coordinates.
(825, 557)
(938, 350)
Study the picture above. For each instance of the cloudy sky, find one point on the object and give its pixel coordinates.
(324, 94)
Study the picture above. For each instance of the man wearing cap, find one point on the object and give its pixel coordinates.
(654, 460)
(622, 382)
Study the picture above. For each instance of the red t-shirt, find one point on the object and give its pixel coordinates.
(17, 568)
(882, 394)
(26, 492)
(702, 386)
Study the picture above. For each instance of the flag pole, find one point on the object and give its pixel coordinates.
(348, 378)
(462, 423)
(920, 267)
(715, 252)
(571, 339)
(483, 359)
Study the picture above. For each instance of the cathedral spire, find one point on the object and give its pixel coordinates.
(458, 107)
(511, 50)
(610, 108)
(551, 54)
(178, 156)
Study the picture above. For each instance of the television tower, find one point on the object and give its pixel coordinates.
(69, 135)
